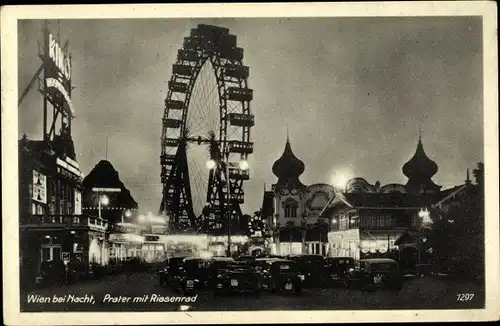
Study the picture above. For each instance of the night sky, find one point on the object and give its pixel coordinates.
(353, 92)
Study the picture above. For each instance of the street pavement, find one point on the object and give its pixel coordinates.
(417, 293)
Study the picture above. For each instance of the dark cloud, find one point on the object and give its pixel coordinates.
(353, 92)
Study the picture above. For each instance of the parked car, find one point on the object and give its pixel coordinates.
(171, 269)
(197, 272)
(279, 275)
(249, 259)
(182, 280)
(313, 269)
(375, 273)
(237, 276)
(336, 267)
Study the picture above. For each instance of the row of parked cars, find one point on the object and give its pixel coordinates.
(57, 272)
(224, 275)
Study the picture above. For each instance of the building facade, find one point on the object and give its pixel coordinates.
(52, 224)
(368, 221)
(106, 197)
(291, 209)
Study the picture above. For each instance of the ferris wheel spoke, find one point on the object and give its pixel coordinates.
(197, 186)
(200, 113)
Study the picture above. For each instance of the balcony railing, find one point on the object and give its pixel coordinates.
(64, 221)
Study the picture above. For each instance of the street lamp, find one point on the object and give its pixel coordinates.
(211, 164)
(103, 200)
(243, 165)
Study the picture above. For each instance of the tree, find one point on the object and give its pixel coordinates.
(457, 237)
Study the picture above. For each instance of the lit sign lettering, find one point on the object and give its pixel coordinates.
(69, 168)
(60, 58)
(54, 83)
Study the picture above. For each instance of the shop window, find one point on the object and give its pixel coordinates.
(46, 254)
(37, 209)
(50, 253)
(343, 222)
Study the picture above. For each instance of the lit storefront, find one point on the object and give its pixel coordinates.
(125, 245)
(106, 198)
(367, 225)
(154, 248)
(218, 244)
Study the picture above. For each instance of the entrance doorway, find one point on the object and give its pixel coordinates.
(50, 252)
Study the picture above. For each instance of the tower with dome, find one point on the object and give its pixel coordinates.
(294, 208)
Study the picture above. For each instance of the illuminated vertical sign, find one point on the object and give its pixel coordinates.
(58, 72)
(59, 57)
(78, 202)
(39, 193)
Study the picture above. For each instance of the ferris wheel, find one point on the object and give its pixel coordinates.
(205, 138)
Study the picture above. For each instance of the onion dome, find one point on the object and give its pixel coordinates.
(288, 167)
(419, 170)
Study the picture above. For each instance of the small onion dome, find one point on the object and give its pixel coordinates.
(420, 166)
(288, 167)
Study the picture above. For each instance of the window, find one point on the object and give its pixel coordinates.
(37, 209)
(46, 253)
(369, 221)
(343, 222)
(50, 252)
(291, 207)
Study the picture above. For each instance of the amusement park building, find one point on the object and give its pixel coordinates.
(368, 221)
(122, 237)
(52, 226)
(291, 209)
(360, 221)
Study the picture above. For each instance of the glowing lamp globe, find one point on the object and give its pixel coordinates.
(128, 213)
(244, 165)
(211, 164)
(105, 200)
